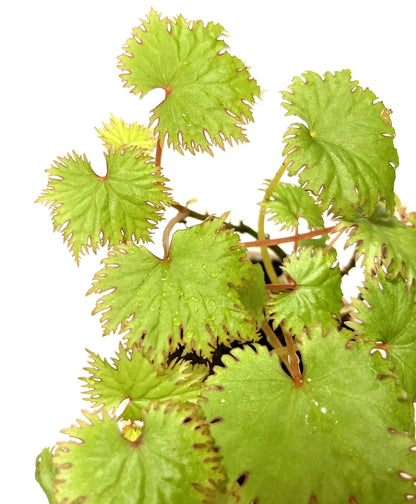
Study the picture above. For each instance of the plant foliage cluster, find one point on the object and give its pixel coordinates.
(237, 381)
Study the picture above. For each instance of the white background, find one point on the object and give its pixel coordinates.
(59, 80)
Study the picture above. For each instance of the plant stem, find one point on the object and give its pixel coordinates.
(166, 232)
(241, 228)
(331, 243)
(288, 239)
(295, 244)
(159, 150)
(274, 341)
(268, 266)
(272, 287)
(293, 360)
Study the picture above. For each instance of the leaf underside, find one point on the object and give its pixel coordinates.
(209, 93)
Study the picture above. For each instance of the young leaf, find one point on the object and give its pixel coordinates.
(209, 93)
(289, 203)
(118, 134)
(189, 297)
(132, 376)
(387, 315)
(91, 210)
(317, 294)
(173, 453)
(346, 147)
(384, 240)
(328, 438)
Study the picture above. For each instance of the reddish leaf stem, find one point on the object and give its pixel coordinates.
(288, 239)
(293, 360)
(296, 239)
(159, 150)
(331, 243)
(279, 348)
(273, 287)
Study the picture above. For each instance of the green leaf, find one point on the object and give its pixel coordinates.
(45, 472)
(132, 375)
(346, 147)
(384, 240)
(118, 134)
(289, 203)
(209, 93)
(254, 296)
(190, 297)
(221, 495)
(91, 210)
(317, 295)
(314, 242)
(173, 453)
(387, 315)
(327, 438)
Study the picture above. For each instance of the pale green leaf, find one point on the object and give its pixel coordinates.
(173, 454)
(190, 297)
(289, 203)
(209, 93)
(328, 438)
(317, 296)
(384, 240)
(45, 472)
(132, 376)
(118, 134)
(387, 315)
(345, 152)
(91, 210)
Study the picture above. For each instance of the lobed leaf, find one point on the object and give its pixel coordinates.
(327, 440)
(387, 316)
(384, 241)
(344, 153)
(173, 454)
(118, 134)
(317, 296)
(132, 376)
(190, 297)
(209, 93)
(91, 210)
(289, 203)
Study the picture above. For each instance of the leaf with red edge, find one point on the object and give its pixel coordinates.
(209, 93)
